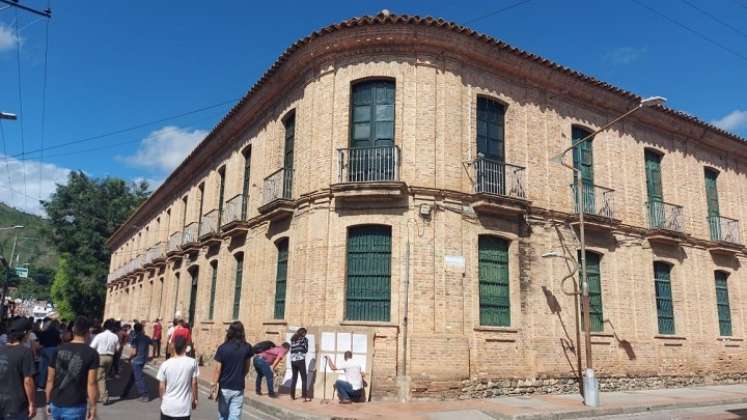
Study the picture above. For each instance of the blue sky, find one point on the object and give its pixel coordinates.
(112, 65)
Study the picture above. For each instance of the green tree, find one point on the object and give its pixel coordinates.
(83, 214)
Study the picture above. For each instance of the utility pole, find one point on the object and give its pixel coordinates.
(7, 263)
(47, 13)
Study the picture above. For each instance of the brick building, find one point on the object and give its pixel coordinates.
(393, 162)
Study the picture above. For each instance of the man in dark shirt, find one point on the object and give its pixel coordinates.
(17, 374)
(72, 377)
(49, 339)
(231, 366)
(141, 343)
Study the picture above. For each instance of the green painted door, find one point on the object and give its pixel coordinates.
(664, 308)
(237, 285)
(213, 286)
(369, 255)
(290, 137)
(657, 218)
(714, 215)
(594, 278)
(281, 278)
(495, 306)
(722, 304)
(245, 186)
(583, 160)
(491, 174)
(193, 298)
(372, 131)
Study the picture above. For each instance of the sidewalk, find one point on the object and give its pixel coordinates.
(568, 406)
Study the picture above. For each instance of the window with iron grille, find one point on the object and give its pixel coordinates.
(281, 278)
(664, 308)
(495, 308)
(369, 254)
(722, 304)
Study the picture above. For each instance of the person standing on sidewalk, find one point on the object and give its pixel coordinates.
(106, 344)
(140, 343)
(231, 366)
(265, 363)
(156, 338)
(298, 349)
(177, 383)
(17, 389)
(71, 377)
(49, 339)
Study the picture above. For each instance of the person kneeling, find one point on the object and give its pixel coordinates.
(350, 387)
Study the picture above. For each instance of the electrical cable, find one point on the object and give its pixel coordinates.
(715, 19)
(5, 155)
(44, 104)
(20, 109)
(487, 15)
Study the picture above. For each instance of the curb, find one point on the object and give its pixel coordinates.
(599, 412)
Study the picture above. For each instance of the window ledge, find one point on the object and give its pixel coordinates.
(669, 337)
(488, 328)
(727, 339)
(230, 322)
(207, 322)
(374, 324)
(601, 334)
(275, 322)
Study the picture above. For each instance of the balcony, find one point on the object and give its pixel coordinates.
(234, 215)
(725, 235)
(368, 173)
(664, 222)
(498, 187)
(597, 203)
(189, 236)
(209, 224)
(175, 241)
(277, 193)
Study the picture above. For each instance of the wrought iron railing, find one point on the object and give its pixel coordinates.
(209, 223)
(663, 215)
(278, 185)
(175, 241)
(597, 200)
(190, 233)
(495, 177)
(233, 211)
(724, 229)
(368, 164)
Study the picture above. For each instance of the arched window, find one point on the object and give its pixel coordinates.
(663, 287)
(281, 278)
(247, 155)
(583, 160)
(372, 113)
(213, 286)
(714, 214)
(368, 279)
(221, 192)
(238, 279)
(194, 275)
(289, 123)
(492, 255)
(722, 303)
(490, 129)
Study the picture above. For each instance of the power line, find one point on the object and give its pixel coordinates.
(5, 154)
(715, 19)
(691, 30)
(44, 103)
(493, 13)
(21, 117)
(131, 128)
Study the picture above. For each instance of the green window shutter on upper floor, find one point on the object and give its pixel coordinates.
(490, 115)
(372, 114)
(663, 287)
(583, 160)
(711, 187)
(495, 308)
(368, 290)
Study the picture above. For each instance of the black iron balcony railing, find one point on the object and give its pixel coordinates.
(279, 185)
(724, 229)
(495, 177)
(209, 223)
(368, 164)
(663, 215)
(595, 200)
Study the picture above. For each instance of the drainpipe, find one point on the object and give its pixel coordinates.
(403, 380)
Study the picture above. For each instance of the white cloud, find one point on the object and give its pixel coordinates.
(624, 55)
(164, 149)
(41, 182)
(732, 121)
(8, 37)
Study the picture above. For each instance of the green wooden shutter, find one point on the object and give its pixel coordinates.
(372, 125)
(290, 136)
(711, 177)
(221, 192)
(495, 308)
(176, 292)
(245, 187)
(237, 285)
(654, 189)
(491, 176)
(369, 255)
(664, 308)
(281, 278)
(722, 304)
(583, 160)
(193, 297)
(594, 278)
(213, 285)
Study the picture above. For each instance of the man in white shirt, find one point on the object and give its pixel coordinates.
(350, 386)
(177, 379)
(106, 345)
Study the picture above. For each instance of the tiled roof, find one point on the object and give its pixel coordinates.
(385, 18)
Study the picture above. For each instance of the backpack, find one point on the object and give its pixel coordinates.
(262, 346)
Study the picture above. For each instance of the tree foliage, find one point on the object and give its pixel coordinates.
(83, 214)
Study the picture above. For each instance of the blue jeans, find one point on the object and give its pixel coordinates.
(45, 358)
(230, 403)
(263, 369)
(138, 378)
(74, 412)
(345, 390)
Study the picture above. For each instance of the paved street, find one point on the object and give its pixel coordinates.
(719, 412)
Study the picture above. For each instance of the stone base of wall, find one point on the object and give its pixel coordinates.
(502, 387)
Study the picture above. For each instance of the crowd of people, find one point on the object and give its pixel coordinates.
(73, 364)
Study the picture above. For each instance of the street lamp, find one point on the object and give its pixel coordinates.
(591, 384)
